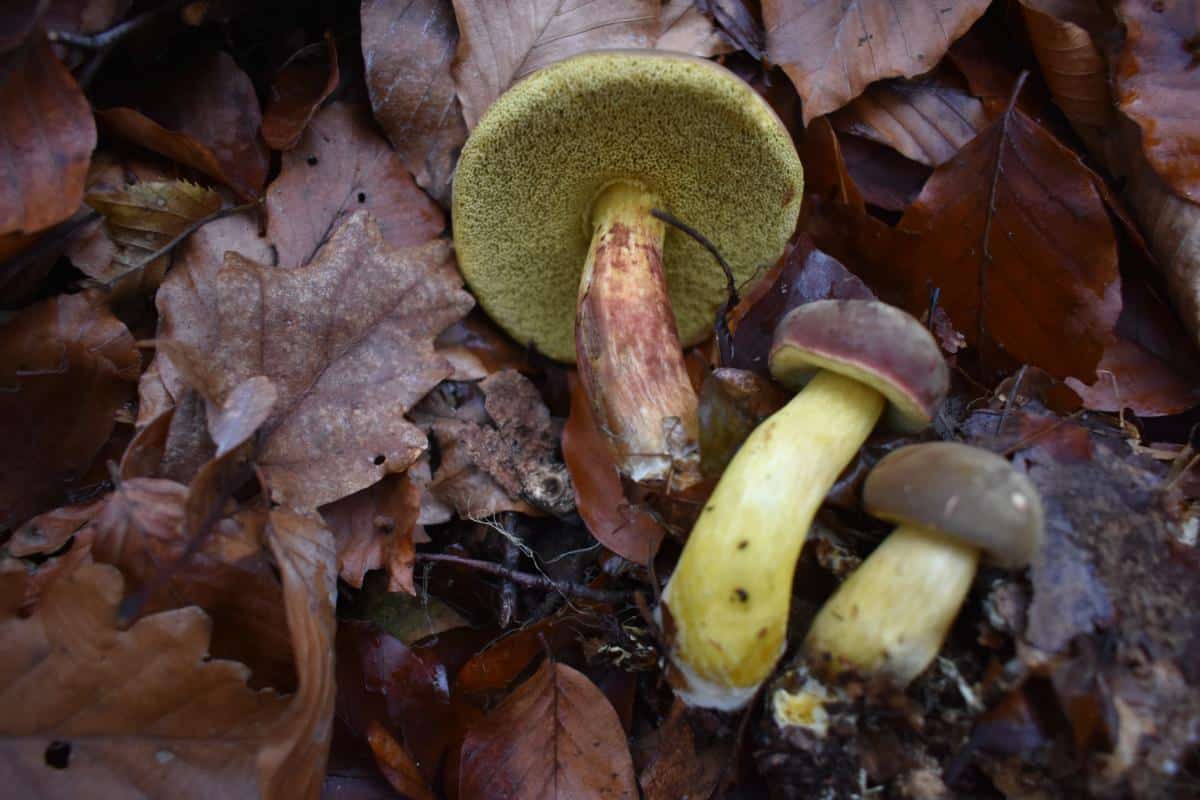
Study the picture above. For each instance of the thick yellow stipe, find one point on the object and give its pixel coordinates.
(892, 615)
(730, 594)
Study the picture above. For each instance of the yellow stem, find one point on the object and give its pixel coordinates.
(727, 602)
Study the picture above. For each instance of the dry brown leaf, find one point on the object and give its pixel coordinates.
(928, 121)
(204, 115)
(408, 48)
(374, 528)
(501, 43)
(396, 764)
(46, 140)
(342, 166)
(683, 28)
(1157, 86)
(833, 49)
(1071, 66)
(304, 82)
(96, 712)
(48, 532)
(555, 736)
(67, 365)
(141, 218)
(347, 341)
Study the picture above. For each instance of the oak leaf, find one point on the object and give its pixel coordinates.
(374, 529)
(833, 49)
(341, 165)
(347, 342)
(46, 140)
(555, 736)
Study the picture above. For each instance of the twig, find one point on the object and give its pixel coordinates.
(512, 557)
(532, 581)
(103, 42)
(195, 226)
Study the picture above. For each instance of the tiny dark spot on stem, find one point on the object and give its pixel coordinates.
(762, 632)
(743, 544)
(741, 594)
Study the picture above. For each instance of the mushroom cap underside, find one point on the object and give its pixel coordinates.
(696, 137)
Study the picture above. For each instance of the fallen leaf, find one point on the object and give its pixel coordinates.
(1071, 65)
(408, 47)
(84, 16)
(47, 138)
(886, 179)
(373, 529)
(1030, 261)
(67, 365)
(732, 404)
(347, 342)
(204, 115)
(141, 218)
(304, 82)
(833, 49)
(683, 28)
(556, 736)
(342, 166)
(1155, 84)
(17, 20)
(628, 531)
(676, 766)
(48, 532)
(498, 46)
(926, 120)
(396, 764)
(407, 617)
(93, 711)
(476, 348)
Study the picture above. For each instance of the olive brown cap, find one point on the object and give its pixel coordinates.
(687, 131)
(871, 342)
(964, 492)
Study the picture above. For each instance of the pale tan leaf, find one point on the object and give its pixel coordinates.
(1071, 66)
(555, 737)
(500, 43)
(374, 530)
(833, 49)
(683, 28)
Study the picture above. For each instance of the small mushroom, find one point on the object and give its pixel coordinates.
(554, 233)
(952, 502)
(726, 605)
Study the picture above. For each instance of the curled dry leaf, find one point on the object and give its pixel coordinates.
(302, 85)
(833, 49)
(373, 529)
(67, 365)
(477, 348)
(204, 115)
(618, 524)
(347, 341)
(500, 44)
(141, 218)
(46, 140)
(556, 736)
(1156, 86)
(1071, 66)
(342, 166)
(408, 48)
(684, 28)
(139, 711)
(927, 120)
(396, 764)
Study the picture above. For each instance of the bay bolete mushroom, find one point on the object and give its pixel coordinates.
(552, 219)
(726, 606)
(952, 502)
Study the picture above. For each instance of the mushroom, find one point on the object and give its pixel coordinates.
(554, 233)
(951, 502)
(725, 608)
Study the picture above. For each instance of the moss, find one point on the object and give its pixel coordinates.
(688, 130)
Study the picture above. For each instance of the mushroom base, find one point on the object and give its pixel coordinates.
(627, 347)
(728, 600)
(891, 616)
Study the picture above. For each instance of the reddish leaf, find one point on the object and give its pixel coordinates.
(832, 49)
(48, 532)
(46, 139)
(373, 529)
(556, 736)
(408, 47)
(67, 365)
(1071, 66)
(205, 116)
(628, 531)
(342, 166)
(396, 764)
(17, 19)
(477, 348)
(676, 766)
(1158, 85)
(886, 179)
(302, 85)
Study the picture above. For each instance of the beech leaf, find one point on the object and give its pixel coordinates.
(555, 736)
(833, 49)
(347, 342)
(302, 85)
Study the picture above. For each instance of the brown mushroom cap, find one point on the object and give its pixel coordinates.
(687, 131)
(961, 491)
(872, 342)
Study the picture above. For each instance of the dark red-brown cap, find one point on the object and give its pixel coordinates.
(961, 491)
(871, 342)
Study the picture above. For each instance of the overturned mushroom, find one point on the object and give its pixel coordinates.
(552, 223)
(726, 606)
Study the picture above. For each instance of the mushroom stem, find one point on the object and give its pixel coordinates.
(727, 603)
(627, 347)
(891, 616)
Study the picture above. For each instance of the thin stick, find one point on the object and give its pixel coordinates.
(107, 39)
(525, 579)
(195, 226)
